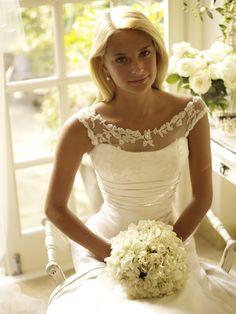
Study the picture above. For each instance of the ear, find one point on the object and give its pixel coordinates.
(103, 63)
(105, 69)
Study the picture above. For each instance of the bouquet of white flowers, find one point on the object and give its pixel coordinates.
(148, 260)
(209, 73)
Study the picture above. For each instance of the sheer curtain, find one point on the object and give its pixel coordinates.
(11, 37)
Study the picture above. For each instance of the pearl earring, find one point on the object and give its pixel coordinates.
(108, 78)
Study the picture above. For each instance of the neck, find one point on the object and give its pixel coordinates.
(135, 104)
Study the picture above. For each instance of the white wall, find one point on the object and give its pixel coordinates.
(201, 34)
(210, 30)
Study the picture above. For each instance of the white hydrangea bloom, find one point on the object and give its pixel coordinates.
(149, 260)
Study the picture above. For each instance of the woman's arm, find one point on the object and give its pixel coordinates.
(73, 143)
(201, 179)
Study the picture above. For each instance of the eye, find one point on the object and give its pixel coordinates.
(121, 60)
(145, 53)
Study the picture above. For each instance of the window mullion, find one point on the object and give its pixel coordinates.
(32, 84)
(60, 59)
(174, 12)
(35, 3)
(34, 162)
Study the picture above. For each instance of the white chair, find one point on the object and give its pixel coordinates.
(55, 271)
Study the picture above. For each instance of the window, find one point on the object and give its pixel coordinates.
(45, 84)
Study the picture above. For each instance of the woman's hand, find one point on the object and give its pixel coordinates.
(105, 250)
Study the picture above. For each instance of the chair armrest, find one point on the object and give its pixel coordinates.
(228, 256)
(229, 253)
(52, 268)
(55, 271)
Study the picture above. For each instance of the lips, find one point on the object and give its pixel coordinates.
(139, 81)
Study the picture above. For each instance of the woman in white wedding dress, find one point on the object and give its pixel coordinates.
(138, 137)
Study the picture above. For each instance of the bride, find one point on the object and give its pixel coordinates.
(138, 137)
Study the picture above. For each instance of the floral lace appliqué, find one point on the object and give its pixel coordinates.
(100, 131)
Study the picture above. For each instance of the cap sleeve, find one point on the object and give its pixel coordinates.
(87, 117)
(195, 111)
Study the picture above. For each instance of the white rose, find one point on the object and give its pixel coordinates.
(200, 82)
(230, 82)
(200, 63)
(186, 67)
(173, 63)
(220, 46)
(214, 70)
(183, 48)
(180, 48)
(217, 52)
(227, 71)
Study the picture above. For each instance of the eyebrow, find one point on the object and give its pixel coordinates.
(123, 53)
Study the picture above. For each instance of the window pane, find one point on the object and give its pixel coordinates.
(81, 95)
(34, 122)
(154, 9)
(32, 184)
(38, 59)
(79, 19)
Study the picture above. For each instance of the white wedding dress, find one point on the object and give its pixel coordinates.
(138, 175)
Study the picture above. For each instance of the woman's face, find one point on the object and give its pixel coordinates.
(130, 61)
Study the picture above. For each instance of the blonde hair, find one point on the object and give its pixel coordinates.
(109, 23)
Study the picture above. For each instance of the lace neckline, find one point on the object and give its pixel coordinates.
(177, 141)
(101, 131)
(163, 129)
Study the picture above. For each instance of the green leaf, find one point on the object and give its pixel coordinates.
(186, 86)
(209, 13)
(220, 10)
(172, 78)
(185, 80)
(200, 16)
(222, 26)
(179, 85)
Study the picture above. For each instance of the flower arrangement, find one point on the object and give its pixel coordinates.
(148, 260)
(210, 73)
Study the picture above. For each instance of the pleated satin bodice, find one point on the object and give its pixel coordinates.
(136, 185)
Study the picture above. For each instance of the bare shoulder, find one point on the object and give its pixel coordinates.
(75, 134)
(106, 110)
(176, 102)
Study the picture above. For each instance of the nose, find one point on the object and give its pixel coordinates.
(137, 67)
